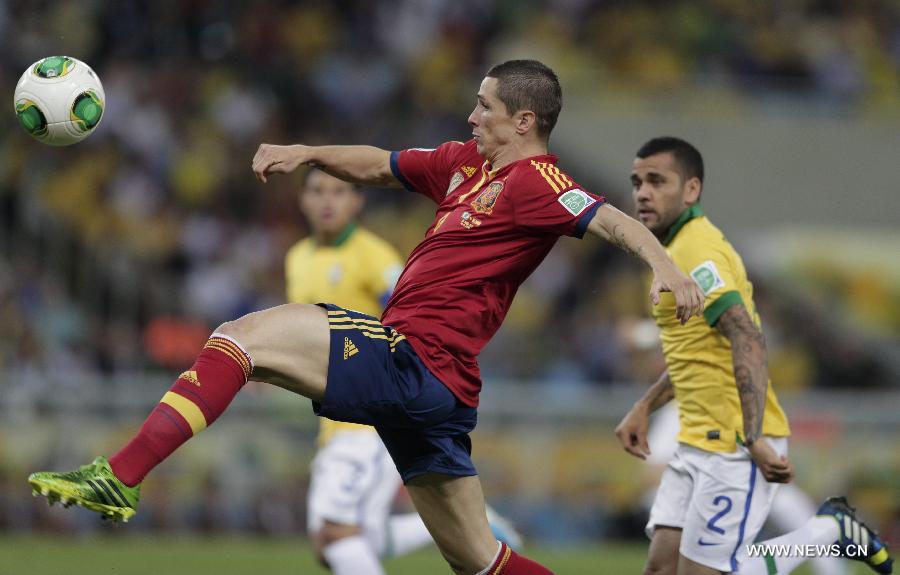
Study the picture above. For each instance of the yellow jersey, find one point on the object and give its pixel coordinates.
(358, 272)
(698, 356)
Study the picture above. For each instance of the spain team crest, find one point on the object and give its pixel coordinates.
(484, 202)
(455, 181)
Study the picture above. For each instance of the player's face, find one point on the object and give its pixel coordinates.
(328, 203)
(492, 126)
(660, 194)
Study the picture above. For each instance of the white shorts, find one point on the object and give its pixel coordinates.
(354, 482)
(719, 501)
(663, 434)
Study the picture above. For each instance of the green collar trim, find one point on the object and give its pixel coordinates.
(342, 237)
(694, 211)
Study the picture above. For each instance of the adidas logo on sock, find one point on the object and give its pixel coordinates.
(190, 376)
(349, 348)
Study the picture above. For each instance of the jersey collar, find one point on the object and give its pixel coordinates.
(548, 158)
(341, 238)
(693, 211)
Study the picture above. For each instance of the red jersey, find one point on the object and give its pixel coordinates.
(491, 230)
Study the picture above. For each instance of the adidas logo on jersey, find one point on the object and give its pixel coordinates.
(349, 348)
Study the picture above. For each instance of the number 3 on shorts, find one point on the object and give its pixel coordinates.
(712, 522)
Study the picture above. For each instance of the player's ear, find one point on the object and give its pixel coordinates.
(694, 186)
(525, 121)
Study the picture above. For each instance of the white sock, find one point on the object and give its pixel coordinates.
(491, 564)
(406, 533)
(352, 556)
(789, 511)
(818, 530)
(790, 508)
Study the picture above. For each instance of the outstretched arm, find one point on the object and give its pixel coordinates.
(632, 430)
(750, 360)
(635, 239)
(357, 164)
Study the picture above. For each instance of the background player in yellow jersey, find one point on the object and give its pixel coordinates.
(718, 487)
(354, 481)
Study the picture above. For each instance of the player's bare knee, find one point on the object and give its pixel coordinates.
(663, 556)
(241, 328)
(249, 329)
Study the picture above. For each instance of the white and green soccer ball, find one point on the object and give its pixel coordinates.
(59, 100)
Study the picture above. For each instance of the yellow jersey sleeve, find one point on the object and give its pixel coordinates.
(712, 266)
(698, 356)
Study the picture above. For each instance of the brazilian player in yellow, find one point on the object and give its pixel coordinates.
(354, 481)
(718, 487)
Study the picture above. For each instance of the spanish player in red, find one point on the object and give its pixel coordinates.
(450, 301)
(413, 375)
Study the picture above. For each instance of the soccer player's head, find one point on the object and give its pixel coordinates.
(666, 178)
(329, 204)
(519, 99)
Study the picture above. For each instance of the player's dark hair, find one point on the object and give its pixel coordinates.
(687, 157)
(529, 85)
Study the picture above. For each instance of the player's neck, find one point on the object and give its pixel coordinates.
(515, 152)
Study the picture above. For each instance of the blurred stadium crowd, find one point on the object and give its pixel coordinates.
(119, 255)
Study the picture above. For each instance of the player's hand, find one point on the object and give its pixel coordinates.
(775, 468)
(270, 159)
(689, 297)
(632, 432)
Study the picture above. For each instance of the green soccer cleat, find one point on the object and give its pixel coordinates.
(92, 486)
(856, 533)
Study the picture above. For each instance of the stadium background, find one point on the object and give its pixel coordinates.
(118, 255)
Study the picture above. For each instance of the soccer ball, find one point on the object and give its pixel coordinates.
(59, 100)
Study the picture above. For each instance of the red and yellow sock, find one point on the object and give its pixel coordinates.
(508, 562)
(198, 397)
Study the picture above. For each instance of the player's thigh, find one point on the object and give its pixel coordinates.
(662, 558)
(288, 344)
(454, 512)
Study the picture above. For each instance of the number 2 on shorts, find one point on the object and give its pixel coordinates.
(712, 522)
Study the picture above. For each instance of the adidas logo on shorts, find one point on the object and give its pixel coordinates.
(349, 348)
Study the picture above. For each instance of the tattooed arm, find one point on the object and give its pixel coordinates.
(631, 236)
(751, 375)
(632, 431)
(748, 355)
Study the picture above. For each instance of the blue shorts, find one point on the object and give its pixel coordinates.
(376, 378)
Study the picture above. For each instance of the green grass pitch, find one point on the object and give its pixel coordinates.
(145, 555)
